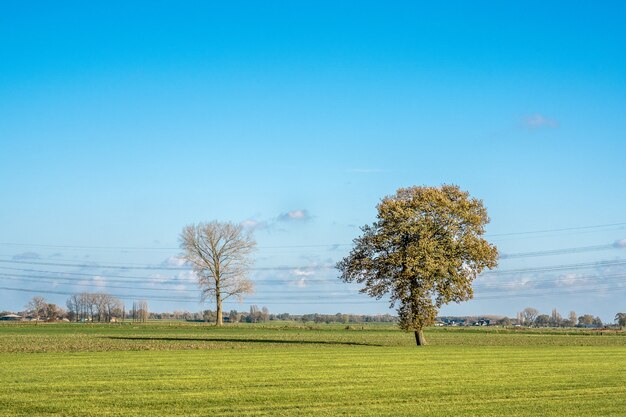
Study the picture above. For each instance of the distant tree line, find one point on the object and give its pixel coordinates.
(531, 317)
(260, 315)
(102, 307)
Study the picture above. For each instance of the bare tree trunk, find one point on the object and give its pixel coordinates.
(219, 321)
(420, 340)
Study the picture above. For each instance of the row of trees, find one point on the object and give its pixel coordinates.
(85, 306)
(102, 307)
(99, 307)
(532, 317)
(259, 315)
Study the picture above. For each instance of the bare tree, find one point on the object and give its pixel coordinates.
(555, 318)
(265, 314)
(220, 256)
(255, 313)
(85, 306)
(529, 315)
(572, 319)
(140, 311)
(37, 307)
(74, 307)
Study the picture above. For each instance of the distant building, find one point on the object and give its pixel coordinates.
(11, 317)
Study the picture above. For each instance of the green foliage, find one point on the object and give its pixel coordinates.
(425, 250)
(315, 370)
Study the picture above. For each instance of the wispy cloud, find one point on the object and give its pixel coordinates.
(251, 224)
(620, 243)
(277, 223)
(302, 273)
(294, 216)
(99, 281)
(539, 121)
(571, 280)
(173, 261)
(26, 256)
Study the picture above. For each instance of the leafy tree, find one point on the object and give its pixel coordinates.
(424, 250)
(234, 316)
(620, 319)
(504, 321)
(542, 320)
(585, 320)
(219, 254)
(597, 321)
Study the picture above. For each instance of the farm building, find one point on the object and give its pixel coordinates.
(11, 317)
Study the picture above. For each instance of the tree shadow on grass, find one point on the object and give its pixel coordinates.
(235, 340)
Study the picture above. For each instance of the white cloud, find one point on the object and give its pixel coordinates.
(180, 288)
(518, 284)
(302, 273)
(173, 261)
(538, 121)
(99, 281)
(571, 279)
(251, 224)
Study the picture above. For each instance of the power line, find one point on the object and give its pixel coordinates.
(155, 267)
(549, 252)
(311, 267)
(478, 288)
(97, 284)
(148, 248)
(188, 299)
(556, 230)
(322, 299)
(127, 278)
(164, 248)
(97, 264)
(564, 267)
(552, 293)
(77, 276)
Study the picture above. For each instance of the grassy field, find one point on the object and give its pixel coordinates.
(179, 369)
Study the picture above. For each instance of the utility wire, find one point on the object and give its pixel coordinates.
(481, 290)
(315, 267)
(294, 246)
(322, 299)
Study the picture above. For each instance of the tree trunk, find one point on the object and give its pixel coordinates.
(219, 321)
(420, 340)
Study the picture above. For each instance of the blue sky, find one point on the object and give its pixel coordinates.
(121, 123)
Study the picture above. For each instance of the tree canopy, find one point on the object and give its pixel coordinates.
(424, 251)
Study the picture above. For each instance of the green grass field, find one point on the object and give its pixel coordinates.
(173, 369)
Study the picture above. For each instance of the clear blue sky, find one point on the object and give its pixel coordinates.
(120, 123)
